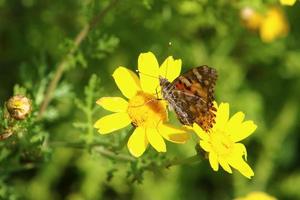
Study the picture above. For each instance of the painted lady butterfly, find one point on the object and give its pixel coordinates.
(191, 96)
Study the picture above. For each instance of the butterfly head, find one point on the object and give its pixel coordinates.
(163, 81)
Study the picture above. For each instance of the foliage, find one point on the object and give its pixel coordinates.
(57, 153)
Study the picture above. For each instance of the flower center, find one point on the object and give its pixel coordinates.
(146, 111)
(221, 142)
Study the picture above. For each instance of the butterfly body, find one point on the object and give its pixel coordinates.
(191, 96)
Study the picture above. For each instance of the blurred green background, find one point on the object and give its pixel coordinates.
(261, 79)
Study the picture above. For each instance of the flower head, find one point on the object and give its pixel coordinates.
(222, 141)
(257, 196)
(288, 2)
(143, 109)
(18, 107)
(274, 25)
(271, 25)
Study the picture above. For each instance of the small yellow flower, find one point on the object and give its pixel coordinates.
(271, 25)
(257, 196)
(288, 2)
(274, 25)
(222, 141)
(142, 109)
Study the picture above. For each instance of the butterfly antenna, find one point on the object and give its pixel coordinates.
(138, 71)
(169, 47)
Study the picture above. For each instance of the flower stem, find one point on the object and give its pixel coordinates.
(64, 62)
(124, 141)
(188, 160)
(97, 147)
(110, 154)
(101, 147)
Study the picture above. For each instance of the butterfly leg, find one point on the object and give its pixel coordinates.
(156, 92)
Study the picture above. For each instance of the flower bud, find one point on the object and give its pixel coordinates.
(18, 107)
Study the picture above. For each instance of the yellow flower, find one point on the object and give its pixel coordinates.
(143, 109)
(288, 2)
(222, 141)
(270, 25)
(274, 25)
(257, 196)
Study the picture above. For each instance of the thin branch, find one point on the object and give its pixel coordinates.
(98, 147)
(19, 168)
(110, 154)
(64, 62)
(184, 161)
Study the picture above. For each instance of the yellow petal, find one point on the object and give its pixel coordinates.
(288, 2)
(224, 164)
(114, 104)
(149, 72)
(137, 142)
(170, 69)
(236, 119)
(127, 81)
(112, 122)
(240, 150)
(173, 134)
(222, 115)
(236, 160)
(216, 105)
(205, 145)
(239, 164)
(199, 131)
(156, 140)
(213, 161)
(242, 131)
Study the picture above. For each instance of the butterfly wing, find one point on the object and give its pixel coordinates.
(194, 94)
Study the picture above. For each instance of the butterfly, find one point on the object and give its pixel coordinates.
(191, 96)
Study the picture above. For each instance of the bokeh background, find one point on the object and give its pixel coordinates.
(258, 75)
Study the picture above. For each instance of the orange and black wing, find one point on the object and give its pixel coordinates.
(194, 94)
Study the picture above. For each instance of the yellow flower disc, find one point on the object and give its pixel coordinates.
(146, 111)
(221, 142)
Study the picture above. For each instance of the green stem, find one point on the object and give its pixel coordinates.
(77, 145)
(110, 154)
(185, 161)
(125, 139)
(89, 115)
(98, 147)
(62, 65)
(23, 167)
